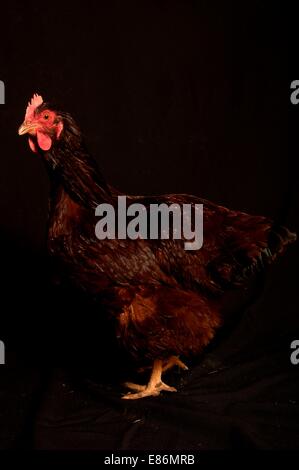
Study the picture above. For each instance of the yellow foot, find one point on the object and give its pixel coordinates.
(153, 388)
(147, 390)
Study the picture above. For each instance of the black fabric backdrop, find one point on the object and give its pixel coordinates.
(189, 97)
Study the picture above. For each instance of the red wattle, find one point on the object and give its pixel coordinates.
(44, 141)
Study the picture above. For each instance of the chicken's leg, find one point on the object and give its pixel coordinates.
(168, 364)
(174, 361)
(153, 388)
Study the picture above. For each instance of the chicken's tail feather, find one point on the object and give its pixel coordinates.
(279, 237)
(250, 243)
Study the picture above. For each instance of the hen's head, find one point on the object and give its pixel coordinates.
(42, 123)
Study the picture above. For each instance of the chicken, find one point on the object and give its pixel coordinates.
(165, 301)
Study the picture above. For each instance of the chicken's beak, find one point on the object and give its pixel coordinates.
(27, 128)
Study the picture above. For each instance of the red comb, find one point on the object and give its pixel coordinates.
(32, 105)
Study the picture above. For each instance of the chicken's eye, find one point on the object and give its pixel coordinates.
(46, 116)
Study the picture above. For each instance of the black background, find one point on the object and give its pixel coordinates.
(182, 97)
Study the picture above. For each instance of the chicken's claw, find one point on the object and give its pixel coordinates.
(149, 390)
(155, 385)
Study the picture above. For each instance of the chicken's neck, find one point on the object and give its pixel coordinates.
(72, 168)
